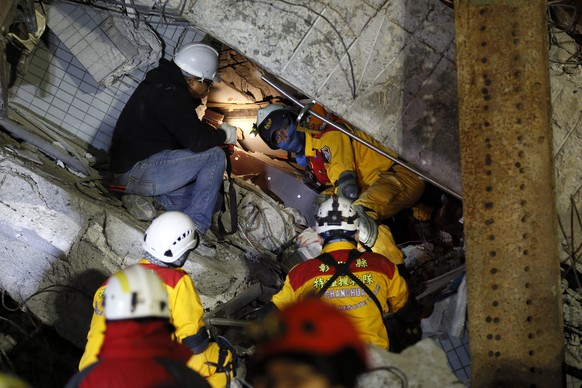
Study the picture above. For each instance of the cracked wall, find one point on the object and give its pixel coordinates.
(388, 67)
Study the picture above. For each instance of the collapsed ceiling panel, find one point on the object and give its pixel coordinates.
(108, 45)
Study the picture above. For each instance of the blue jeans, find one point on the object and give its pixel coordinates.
(181, 180)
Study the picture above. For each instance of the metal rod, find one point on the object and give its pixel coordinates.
(229, 322)
(366, 143)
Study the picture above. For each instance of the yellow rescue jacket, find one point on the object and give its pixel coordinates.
(340, 153)
(186, 316)
(375, 271)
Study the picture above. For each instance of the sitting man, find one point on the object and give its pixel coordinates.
(138, 350)
(167, 243)
(161, 151)
(364, 285)
(379, 187)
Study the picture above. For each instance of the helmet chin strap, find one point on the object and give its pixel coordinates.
(179, 262)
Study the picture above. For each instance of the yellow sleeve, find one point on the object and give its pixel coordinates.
(285, 296)
(203, 363)
(397, 292)
(96, 334)
(341, 154)
(186, 308)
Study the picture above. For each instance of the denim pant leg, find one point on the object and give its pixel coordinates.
(181, 180)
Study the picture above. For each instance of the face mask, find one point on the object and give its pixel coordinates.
(295, 140)
(302, 160)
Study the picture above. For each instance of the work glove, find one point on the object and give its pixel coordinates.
(348, 185)
(309, 243)
(230, 131)
(368, 228)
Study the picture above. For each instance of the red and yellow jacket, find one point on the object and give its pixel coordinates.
(375, 271)
(339, 153)
(186, 315)
(139, 354)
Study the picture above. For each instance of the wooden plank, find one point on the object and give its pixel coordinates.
(513, 276)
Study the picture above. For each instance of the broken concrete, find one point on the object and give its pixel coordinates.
(388, 67)
(421, 365)
(58, 245)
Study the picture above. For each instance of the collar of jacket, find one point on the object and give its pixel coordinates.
(141, 339)
(338, 245)
(168, 72)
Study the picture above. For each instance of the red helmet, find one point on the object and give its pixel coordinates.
(312, 328)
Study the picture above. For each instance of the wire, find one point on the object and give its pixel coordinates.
(142, 13)
(255, 213)
(244, 382)
(14, 324)
(41, 291)
(395, 371)
(569, 247)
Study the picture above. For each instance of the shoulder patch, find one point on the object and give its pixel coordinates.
(326, 154)
(98, 306)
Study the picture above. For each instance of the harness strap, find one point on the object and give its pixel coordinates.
(117, 188)
(231, 198)
(343, 269)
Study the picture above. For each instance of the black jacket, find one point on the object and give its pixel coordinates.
(160, 115)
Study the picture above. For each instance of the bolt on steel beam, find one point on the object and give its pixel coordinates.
(513, 275)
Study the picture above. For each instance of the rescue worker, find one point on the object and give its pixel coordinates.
(364, 285)
(162, 155)
(138, 350)
(308, 344)
(167, 243)
(379, 187)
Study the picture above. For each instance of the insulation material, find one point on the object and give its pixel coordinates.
(107, 45)
(264, 225)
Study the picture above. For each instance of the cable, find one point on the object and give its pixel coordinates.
(395, 371)
(142, 13)
(53, 133)
(41, 291)
(255, 212)
(14, 324)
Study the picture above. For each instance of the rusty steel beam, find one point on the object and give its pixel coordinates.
(513, 276)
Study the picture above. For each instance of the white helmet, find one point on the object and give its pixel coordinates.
(198, 59)
(268, 122)
(336, 213)
(135, 292)
(170, 235)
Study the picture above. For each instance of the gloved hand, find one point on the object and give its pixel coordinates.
(308, 236)
(230, 131)
(348, 185)
(368, 228)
